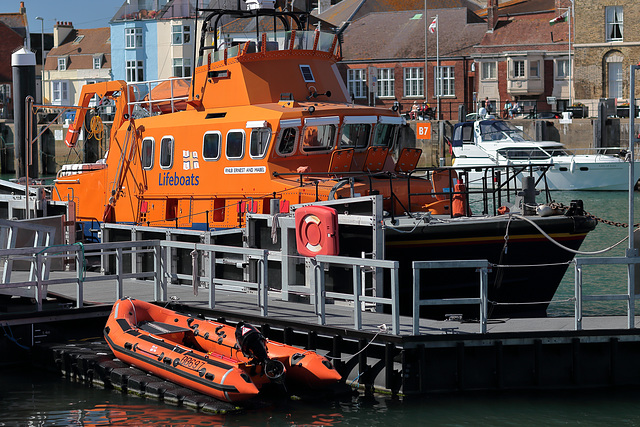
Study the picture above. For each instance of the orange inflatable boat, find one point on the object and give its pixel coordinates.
(226, 362)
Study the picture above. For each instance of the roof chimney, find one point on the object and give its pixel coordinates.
(492, 15)
(60, 32)
(23, 10)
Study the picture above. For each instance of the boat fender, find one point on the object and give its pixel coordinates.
(160, 357)
(316, 231)
(503, 210)
(572, 166)
(176, 362)
(459, 205)
(546, 210)
(202, 371)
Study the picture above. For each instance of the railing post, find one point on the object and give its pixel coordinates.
(263, 283)
(416, 300)
(357, 292)
(212, 279)
(483, 299)
(38, 280)
(79, 282)
(318, 274)
(119, 287)
(578, 295)
(164, 273)
(157, 262)
(395, 298)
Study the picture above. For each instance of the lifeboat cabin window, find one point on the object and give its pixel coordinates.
(288, 136)
(386, 131)
(356, 131)
(211, 146)
(259, 142)
(235, 144)
(319, 134)
(166, 152)
(148, 148)
(287, 141)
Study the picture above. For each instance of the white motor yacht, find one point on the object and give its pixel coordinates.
(499, 143)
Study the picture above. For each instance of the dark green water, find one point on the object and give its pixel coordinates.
(38, 399)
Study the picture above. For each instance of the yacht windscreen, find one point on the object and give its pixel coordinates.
(528, 153)
(497, 130)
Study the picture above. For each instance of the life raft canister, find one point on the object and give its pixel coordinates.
(317, 231)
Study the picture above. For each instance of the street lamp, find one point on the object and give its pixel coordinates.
(41, 19)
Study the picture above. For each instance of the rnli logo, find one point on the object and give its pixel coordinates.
(190, 160)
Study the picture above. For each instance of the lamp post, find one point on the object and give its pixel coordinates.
(41, 19)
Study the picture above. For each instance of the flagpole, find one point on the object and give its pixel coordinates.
(570, 62)
(438, 72)
(426, 64)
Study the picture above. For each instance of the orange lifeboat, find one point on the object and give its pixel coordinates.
(222, 361)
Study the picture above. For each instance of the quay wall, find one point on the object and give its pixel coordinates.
(53, 153)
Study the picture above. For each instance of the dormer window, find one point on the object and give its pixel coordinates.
(97, 62)
(62, 63)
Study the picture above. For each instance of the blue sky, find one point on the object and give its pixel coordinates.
(82, 13)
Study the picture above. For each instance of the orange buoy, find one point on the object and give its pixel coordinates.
(317, 231)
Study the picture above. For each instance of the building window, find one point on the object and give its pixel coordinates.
(447, 79)
(211, 146)
(97, 62)
(534, 69)
(133, 37)
(181, 67)
(615, 79)
(562, 68)
(489, 71)
(60, 92)
(614, 23)
(386, 82)
(135, 71)
(180, 34)
(166, 152)
(62, 63)
(414, 81)
(235, 145)
(148, 145)
(518, 69)
(356, 83)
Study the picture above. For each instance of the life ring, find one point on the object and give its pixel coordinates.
(317, 231)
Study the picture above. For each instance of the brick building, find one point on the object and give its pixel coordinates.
(390, 46)
(522, 56)
(607, 42)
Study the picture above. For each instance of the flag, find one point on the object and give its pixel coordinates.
(434, 25)
(561, 18)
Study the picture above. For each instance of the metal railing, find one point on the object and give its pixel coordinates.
(356, 264)
(158, 274)
(482, 266)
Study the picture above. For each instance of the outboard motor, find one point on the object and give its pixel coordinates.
(253, 344)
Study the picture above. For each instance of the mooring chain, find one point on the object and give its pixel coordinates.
(555, 205)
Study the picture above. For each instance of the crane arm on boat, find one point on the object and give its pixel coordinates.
(117, 90)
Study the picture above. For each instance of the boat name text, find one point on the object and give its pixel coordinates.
(243, 169)
(175, 179)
